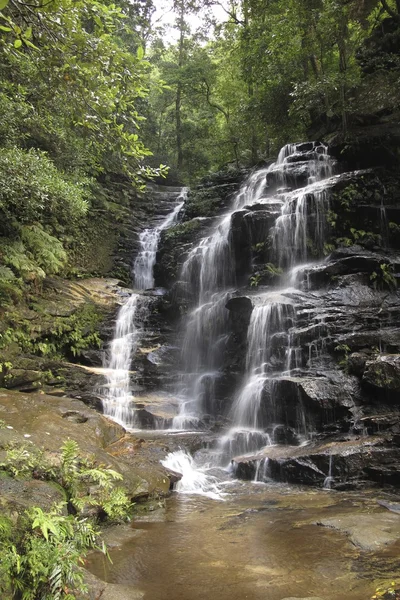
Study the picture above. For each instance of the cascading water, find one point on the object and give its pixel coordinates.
(117, 396)
(148, 240)
(297, 185)
(209, 274)
(116, 393)
(195, 480)
(274, 315)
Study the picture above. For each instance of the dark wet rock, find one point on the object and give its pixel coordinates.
(209, 201)
(383, 374)
(313, 401)
(92, 358)
(175, 243)
(240, 304)
(356, 363)
(249, 229)
(366, 459)
(21, 379)
(376, 424)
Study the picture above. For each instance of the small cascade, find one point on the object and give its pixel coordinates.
(299, 232)
(261, 473)
(384, 222)
(116, 392)
(330, 479)
(117, 397)
(195, 480)
(148, 240)
(209, 274)
(265, 361)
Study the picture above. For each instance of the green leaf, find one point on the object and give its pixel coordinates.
(3, 4)
(28, 43)
(2, 28)
(17, 43)
(140, 53)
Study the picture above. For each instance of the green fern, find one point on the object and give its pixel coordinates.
(47, 251)
(78, 476)
(14, 254)
(6, 274)
(41, 559)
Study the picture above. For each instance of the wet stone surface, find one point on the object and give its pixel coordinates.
(261, 542)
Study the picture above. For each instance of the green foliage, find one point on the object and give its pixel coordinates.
(36, 203)
(41, 555)
(268, 272)
(331, 218)
(183, 231)
(77, 474)
(344, 350)
(87, 485)
(328, 248)
(68, 335)
(41, 552)
(384, 277)
(24, 460)
(273, 269)
(255, 280)
(72, 86)
(33, 190)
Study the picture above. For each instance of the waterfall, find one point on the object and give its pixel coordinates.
(116, 392)
(148, 242)
(270, 318)
(296, 184)
(209, 274)
(117, 397)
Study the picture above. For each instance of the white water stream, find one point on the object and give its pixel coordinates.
(116, 393)
(209, 274)
(296, 185)
(148, 240)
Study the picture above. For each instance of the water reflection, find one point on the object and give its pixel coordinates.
(263, 543)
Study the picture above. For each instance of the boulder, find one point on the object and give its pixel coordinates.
(47, 421)
(383, 375)
(347, 464)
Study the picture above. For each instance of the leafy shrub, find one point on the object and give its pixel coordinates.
(68, 336)
(40, 556)
(41, 552)
(33, 190)
(77, 474)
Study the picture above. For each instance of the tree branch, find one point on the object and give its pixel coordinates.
(216, 106)
(230, 14)
(390, 11)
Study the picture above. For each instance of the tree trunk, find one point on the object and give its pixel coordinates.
(341, 42)
(178, 105)
(178, 100)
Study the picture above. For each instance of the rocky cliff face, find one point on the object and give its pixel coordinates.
(344, 329)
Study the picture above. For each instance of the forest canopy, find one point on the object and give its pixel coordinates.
(94, 90)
